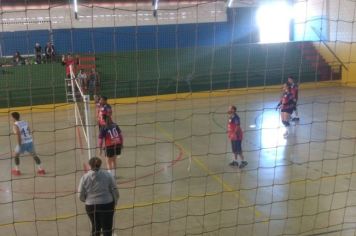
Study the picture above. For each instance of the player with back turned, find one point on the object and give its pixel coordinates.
(111, 142)
(24, 144)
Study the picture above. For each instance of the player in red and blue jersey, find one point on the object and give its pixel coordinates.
(103, 109)
(111, 141)
(235, 134)
(294, 90)
(286, 105)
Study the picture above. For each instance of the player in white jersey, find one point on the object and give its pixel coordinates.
(24, 144)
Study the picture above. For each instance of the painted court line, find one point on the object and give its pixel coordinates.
(206, 169)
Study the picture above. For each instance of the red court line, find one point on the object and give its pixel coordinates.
(170, 165)
(179, 158)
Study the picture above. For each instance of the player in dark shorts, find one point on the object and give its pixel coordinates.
(286, 105)
(235, 134)
(102, 108)
(294, 89)
(111, 142)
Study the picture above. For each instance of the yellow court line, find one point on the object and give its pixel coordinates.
(119, 208)
(206, 169)
(177, 96)
(181, 198)
(208, 94)
(175, 199)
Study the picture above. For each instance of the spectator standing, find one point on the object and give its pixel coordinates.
(50, 52)
(93, 82)
(38, 53)
(97, 188)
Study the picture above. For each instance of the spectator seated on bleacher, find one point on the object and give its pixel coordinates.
(82, 80)
(50, 53)
(17, 59)
(93, 82)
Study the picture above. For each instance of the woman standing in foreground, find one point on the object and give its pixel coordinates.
(98, 190)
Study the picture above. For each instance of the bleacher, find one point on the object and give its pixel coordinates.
(152, 72)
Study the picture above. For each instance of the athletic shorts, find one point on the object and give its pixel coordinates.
(236, 146)
(113, 151)
(288, 110)
(25, 147)
(295, 106)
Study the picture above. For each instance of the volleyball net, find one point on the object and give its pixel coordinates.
(170, 75)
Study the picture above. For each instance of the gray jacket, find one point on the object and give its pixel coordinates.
(98, 187)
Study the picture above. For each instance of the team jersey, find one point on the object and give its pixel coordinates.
(294, 90)
(111, 135)
(234, 130)
(104, 110)
(97, 111)
(287, 100)
(25, 133)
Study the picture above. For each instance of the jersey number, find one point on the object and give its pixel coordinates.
(25, 132)
(113, 133)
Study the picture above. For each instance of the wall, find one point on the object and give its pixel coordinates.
(199, 25)
(330, 22)
(342, 36)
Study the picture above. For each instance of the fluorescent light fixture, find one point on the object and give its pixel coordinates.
(229, 3)
(75, 3)
(156, 4)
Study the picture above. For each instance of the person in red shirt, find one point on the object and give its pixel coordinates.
(235, 135)
(68, 62)
(286, 105)
(111, 141)
(294, 90)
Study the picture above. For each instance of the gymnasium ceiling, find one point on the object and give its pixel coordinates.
(63, 2)
(45, 4)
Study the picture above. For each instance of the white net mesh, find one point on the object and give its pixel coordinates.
(170, 80)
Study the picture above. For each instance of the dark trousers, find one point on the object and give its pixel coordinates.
(101, 218)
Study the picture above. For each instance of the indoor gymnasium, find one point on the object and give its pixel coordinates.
(233, 117)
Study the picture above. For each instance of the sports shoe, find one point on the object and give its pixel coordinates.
(295, 119)
(41, 172)
(15, 172)
(243, 164)
(234, 163)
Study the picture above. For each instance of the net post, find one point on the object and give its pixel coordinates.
(72, 82)
(88, 126)
(72, 78)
